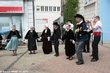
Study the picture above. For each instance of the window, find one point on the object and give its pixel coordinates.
(38, 8)
(42, 8)
(58, 8)
(46, 8)
(50, 8)
(54, 8)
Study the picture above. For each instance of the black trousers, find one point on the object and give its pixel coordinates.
(95, 47)
(87, 45)
(0, 44)
(56, 47)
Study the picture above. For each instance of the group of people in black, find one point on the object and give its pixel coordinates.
(77, 41)
(46, 38)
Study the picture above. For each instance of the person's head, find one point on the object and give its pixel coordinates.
(13, 27)
(97, 18)
(32, 28)
(55, 25)
(46, 26)
(88, 22)
(69, 21)
(79, 18)
(68, 27)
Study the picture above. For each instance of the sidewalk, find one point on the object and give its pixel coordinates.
(41, 63)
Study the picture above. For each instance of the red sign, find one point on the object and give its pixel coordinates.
(11, 6)
(45, 19)
(11, 9)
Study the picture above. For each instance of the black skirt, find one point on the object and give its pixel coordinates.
(69, 49)
(32, 44)
(47, 46)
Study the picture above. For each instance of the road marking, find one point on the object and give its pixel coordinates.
(11, 65)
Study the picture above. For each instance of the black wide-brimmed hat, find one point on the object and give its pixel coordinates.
(79, 16)
(56, 24)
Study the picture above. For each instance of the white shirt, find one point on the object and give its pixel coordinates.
(71, 26)
(97, 27)
(45, 30)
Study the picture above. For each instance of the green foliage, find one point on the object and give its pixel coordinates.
(70, 10)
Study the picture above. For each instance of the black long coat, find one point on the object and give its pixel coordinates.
(47, 45)
(31, 36)
(0, 40)
(56, 34)
(69, 46)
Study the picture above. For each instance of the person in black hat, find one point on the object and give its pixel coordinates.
(81, 37)
(56, 37)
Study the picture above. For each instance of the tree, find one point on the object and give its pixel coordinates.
(70, 10)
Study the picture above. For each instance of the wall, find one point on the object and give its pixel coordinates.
(105, 18)
(27, 19)
(43, 18)
(89, 8)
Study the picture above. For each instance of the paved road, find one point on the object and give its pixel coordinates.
(40, 63)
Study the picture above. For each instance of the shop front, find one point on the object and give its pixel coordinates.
(11, 12)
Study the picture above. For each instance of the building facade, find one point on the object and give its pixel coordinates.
(11, 14)
(91, 8)
(46, 12)
(27, 13)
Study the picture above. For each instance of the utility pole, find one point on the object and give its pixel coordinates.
(33, 6)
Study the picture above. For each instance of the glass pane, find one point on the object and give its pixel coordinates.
(5, 23)
(16, 20)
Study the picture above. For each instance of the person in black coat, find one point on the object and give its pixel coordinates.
(87, 43)
(1, 42)
(56, 37)
(45, 37)
(32, 36)
(69, 38)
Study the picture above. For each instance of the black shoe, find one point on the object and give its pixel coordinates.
(94, 60)
(71, 58)
(91, 55)
(79, 63)
(56, 55)
(67, 57)
(87, 52)
(84, 51)
(34, 52)
(30, 53)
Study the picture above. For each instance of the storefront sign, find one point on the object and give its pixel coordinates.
(11, 6)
